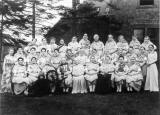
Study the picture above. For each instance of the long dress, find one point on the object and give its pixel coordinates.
(85, 45)
(134, 77)
(136, 45)
(20, 80)
(79, 83)
(123, 46)
(98, 46)
(7, 73)
(110, 47)
(62, 50)
(74, 46)
(103, 85)
(152, 73)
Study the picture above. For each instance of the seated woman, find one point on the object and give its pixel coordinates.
(79, 83)
(20, 80)
(104, 85)
(33, 70)
(134, 78)
(92, 69)
(64, 71)
(120, 73)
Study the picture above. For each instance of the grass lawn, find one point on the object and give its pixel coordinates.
(111, 104)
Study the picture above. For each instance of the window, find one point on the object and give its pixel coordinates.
(139, 33)
(146, 2)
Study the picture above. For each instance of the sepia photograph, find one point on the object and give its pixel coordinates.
(79, 57)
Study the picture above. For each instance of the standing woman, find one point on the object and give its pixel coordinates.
(152, 72)
(74, 45)
(7, 70)
(110, 46)
(122, 44)
(97, 45)
(62, 48)
(85, 44)
(135, 44)
(147, 42)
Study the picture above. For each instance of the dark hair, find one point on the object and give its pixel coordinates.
(151, 45)
(50, 71)
(20, 58)
(33, 48)
(121, 56)
(43, 49)
(33, 58)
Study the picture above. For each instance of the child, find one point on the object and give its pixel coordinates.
(120, 73)
(64, 72)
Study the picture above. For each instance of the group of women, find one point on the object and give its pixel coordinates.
(82, 66)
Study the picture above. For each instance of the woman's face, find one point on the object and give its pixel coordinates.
(151, 48)
(121, 39)
(11, 51)
(34, 60)
(96, 37)
(85, 36)
(110, 38)
(20, 61)
(146, 40)
(53, 41)
(74, 39)
(142, 49)
(134, 38)
(121, 59)
(44, 41)
(61, 41)
(20, 50)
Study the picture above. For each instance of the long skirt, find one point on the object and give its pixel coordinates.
(40, 88)
(79, 85)
(103, 85)
(152, 78)
(6, 80)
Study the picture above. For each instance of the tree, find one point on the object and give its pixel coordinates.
(18, 17)
(86, 19)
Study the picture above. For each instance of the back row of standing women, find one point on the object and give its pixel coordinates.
(84, 65)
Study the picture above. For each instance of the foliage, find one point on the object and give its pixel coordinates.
(84, 19)
(18, 18)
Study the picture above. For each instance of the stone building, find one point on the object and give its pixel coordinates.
(140, 17)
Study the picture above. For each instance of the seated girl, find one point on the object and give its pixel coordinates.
(134, 78)
(120, 73)
(92, 69)
(64, 72)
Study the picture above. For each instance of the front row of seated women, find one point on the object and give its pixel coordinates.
(80, 75)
